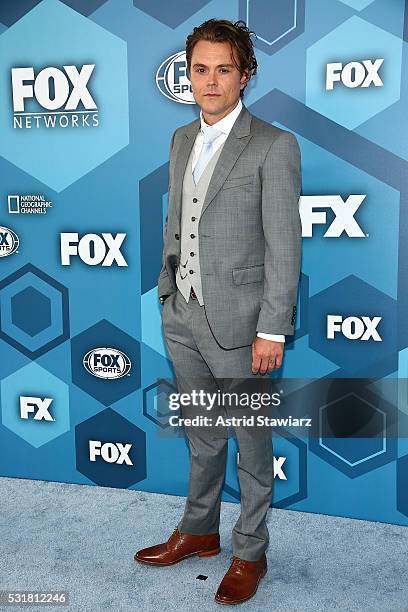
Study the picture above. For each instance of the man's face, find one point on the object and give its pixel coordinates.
(215, 80)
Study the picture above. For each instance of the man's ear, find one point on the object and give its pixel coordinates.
(244, 77)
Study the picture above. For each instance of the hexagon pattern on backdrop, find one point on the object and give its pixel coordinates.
(62, 155)
(11, 11)
(35, 404)
(104, 334)
(276, 24)
(34, 316)
(110, 450)
(353, 40)
(115, 432)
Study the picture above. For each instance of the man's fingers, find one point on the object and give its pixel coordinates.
(278, 361)
(256, 361)
(272, 363)
(265, 361)
(264, 365)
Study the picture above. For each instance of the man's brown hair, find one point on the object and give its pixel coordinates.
(222, 30)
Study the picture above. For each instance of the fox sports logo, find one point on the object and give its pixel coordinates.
(107, 363)
(9, 241)
(171, 79)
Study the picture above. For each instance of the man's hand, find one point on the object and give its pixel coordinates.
(266, 355)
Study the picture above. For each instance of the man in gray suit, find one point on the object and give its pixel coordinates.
(228, 285)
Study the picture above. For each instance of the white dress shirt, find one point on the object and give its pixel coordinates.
(225, 126)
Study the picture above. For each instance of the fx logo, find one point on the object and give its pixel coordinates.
(354, 74)
(111, 452)
(53, 89)
(37, 406)
(92, 249)
(277, 468)
(344, 212)
(353, 328)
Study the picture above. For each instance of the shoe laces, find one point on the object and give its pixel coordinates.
(238, 561)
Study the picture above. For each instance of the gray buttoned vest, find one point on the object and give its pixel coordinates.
(188, 272)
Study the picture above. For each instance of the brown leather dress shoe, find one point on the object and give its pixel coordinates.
(241, 580)
(180, 546)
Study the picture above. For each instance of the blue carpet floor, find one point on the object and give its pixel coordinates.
(82, 539)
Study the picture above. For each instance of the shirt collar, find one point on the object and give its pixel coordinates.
(225, 124)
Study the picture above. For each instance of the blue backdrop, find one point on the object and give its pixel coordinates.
(89, 100)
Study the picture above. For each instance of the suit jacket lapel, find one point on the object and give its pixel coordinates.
(235, 143)
(183, 154)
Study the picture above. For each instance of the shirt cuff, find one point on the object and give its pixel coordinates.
(274, 337)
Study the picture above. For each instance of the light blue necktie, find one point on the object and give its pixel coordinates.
(210, 134)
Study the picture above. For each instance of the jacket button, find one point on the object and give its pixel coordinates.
(193, 218)
(195, 200)
(177, 237)
(192, 235)
(191, 271)
(192, 254)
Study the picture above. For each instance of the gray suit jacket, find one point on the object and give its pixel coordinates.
(249, 231)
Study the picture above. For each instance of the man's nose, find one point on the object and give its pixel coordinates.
(212, 78)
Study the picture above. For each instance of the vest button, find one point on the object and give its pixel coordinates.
(192, 235)
(191, 271)
(192, 254)
(193, 218)
(195, 200)
(177, 237)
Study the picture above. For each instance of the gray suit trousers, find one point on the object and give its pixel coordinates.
(199, 362)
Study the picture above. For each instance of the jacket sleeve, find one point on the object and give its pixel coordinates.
(164, 284)
(281, 186)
